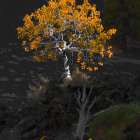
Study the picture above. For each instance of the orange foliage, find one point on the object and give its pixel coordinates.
(39, 26)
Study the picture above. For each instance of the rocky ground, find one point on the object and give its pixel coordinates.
(22, 118)
(29, 119)
(53, 116)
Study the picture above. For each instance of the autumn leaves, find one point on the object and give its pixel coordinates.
(66, 15)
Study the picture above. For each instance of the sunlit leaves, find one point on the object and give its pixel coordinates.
(83, 65)
(34, 43)
(95, 68)
(38, 59)
(78, 59)
(110, 53)
(66, 16)
(100, 63)
(24, 42)
(27, 49)
(101, 53)
(89, 69)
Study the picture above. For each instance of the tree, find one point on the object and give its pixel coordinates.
(123, 15)
(45, 29)
(84, 110)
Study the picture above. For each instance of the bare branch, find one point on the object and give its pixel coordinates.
(83, 116)
(89, 94)
(78, 99)
(91, 105)
(94, 115)
(84, 94)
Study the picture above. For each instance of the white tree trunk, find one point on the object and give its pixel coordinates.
(67, 68)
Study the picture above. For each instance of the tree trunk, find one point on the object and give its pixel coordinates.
(66, 67)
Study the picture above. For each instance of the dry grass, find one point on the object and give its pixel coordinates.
(40, 90)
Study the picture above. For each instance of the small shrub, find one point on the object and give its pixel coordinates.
(41, 88)
(78, 79)
(110, 124)
(113, 134)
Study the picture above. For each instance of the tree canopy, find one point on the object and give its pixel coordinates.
(44, 31)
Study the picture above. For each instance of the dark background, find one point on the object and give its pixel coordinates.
(11, 15)
(13, 11)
